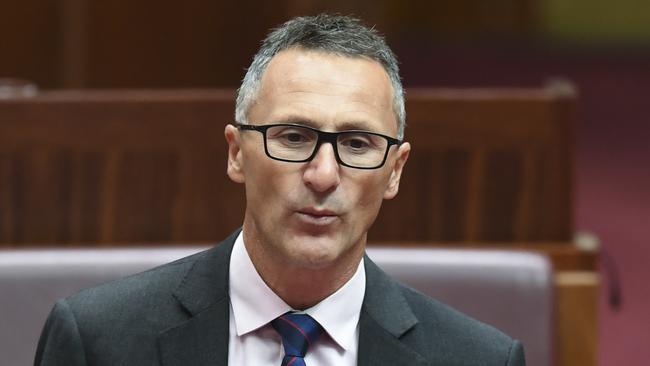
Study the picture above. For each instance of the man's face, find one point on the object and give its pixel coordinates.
(315, 214)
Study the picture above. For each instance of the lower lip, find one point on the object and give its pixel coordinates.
(317, 219)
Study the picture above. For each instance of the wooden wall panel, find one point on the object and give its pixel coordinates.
(502, 172)
(137, 166)
(200, 43)
(145, 193)
(116, 167)
(499, 208)
(169, 44)
(30, 41)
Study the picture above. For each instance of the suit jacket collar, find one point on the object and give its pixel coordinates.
(385, 318)
(202, 340)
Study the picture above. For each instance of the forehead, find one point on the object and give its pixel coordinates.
(326, 90)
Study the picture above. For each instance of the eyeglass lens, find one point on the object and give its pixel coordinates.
(296, 143)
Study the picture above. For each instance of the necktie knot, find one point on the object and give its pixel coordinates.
(298, 332)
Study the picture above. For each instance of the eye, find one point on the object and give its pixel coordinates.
(356, 142)
(294, 137)
(291, 136)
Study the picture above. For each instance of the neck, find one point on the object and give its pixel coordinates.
(302, 289)
(300, 286)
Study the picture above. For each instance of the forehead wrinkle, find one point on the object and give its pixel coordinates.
(295, 81)
(286, 73)
(353, 98)
(327, 83)
(337, 97)
(352, 116)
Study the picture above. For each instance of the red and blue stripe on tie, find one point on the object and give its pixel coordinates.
(298, 332)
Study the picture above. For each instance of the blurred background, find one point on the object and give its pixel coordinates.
(598, 49)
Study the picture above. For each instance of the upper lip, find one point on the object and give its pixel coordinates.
(317, 211)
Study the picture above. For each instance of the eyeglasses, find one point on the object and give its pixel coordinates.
(297, 144)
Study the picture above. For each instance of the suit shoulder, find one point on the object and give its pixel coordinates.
(433, 312)
(125, 314)
(479, 343)
(163, 278)
(126, 301)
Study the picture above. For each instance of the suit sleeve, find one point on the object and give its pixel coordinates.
(60, 343)
(516, 357)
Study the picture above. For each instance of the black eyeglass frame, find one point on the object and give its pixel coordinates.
(323, 136)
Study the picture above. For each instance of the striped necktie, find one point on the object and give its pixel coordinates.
(298, 332)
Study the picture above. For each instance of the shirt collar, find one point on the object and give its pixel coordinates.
(254, 304)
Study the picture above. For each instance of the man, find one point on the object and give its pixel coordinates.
(318, 146)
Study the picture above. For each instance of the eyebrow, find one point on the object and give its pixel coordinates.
(298, 120)
(345, 126)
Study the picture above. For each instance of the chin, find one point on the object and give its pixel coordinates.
(315, 259)
(318, 252)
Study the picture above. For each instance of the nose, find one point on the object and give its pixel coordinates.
(322, 173)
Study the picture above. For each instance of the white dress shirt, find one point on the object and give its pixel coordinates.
(253, 305)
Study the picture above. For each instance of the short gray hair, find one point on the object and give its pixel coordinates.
(341, 35)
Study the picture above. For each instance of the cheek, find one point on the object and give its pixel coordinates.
(255, 175)
(267, 185)
(370, 193)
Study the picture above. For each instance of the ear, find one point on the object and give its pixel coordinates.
(395, 175)
(233, 138)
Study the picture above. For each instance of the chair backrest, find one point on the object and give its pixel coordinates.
(510, 290)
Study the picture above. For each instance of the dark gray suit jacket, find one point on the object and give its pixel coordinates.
(177, 314)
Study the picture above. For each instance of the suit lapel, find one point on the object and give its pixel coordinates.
(202, 339)
(385, 317)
